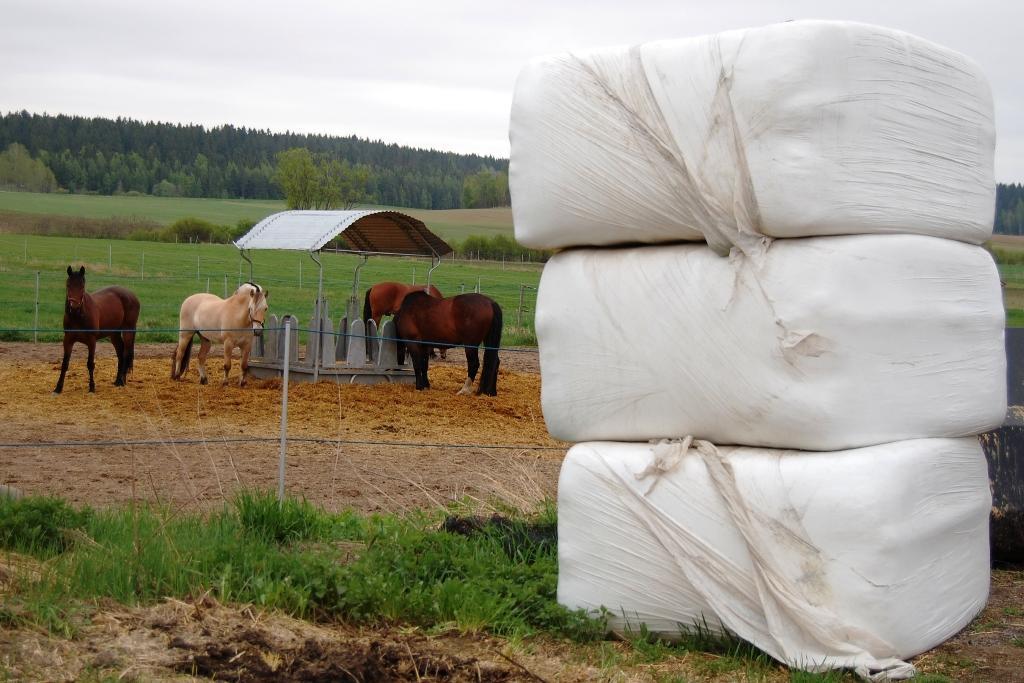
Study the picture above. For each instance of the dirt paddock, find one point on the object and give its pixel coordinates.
(491, 449)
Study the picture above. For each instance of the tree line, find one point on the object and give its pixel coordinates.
(1009, 209)
(113, 156)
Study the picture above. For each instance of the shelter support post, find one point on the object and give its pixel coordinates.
(318, 310)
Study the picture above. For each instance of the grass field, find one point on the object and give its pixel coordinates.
(164, 274)
(454, 224)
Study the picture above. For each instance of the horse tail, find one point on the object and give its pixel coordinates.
(492, 340)
(179, 370)
(367, 310)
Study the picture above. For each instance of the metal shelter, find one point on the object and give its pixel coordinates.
(365, 233)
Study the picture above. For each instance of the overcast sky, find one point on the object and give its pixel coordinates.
(424, 73)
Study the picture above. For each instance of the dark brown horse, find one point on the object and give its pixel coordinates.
(385, 298)
(466, 320)
(109, 312)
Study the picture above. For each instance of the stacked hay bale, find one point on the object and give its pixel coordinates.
(778, 380)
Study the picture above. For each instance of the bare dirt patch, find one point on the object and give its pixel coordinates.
(203, 640)
(390, 448)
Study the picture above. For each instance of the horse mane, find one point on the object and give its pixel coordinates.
(249, 284)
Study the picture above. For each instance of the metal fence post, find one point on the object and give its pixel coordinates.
(35, 325)
(284, 409)
(225, 286)
(110, 257)
(519, 312)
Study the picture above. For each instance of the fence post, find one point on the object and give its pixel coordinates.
(300, 272)
(197, 268)
(143, 265)
(207, 285)
(284, 410)
(225, 286)
(478, 291)
(519, 313)
(414, 275)
(110, 257)
(35, 325)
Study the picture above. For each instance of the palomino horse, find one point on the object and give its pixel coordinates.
(385, 298)
(234, 321)
(466, 320)
(109, 312)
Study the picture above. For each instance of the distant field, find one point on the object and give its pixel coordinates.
(164, 274)
(453, 224)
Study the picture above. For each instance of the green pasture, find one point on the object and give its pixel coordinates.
(164, 274)
(452, 224)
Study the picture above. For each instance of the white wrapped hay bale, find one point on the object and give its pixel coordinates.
(854, 559)
(792, 130)
(824, 343)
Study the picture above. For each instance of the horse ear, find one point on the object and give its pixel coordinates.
(69, 271)
(252, 293)
(81, 271)
(266, 293)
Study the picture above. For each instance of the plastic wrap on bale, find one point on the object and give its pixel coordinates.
(824, 343)
(859, 558)
(791, 130)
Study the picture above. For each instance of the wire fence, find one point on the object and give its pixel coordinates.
(33, 303)
(276, 328)
(295, 460)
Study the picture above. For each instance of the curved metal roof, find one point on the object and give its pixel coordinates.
(371, 231)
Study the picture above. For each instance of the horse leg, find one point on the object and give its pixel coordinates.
(472, 365)
(68, 343)
(91, 363)
(228, 349)
(244, 364)
(419, 365)
(204, 349)
(118, 343)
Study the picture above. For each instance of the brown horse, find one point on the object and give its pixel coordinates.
(385, 298)
(109, 312)
(466, 320)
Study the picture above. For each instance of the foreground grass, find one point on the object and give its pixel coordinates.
(375, 571)
(290, 557)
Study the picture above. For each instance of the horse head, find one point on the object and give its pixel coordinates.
(75, 291)
(257, 308)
